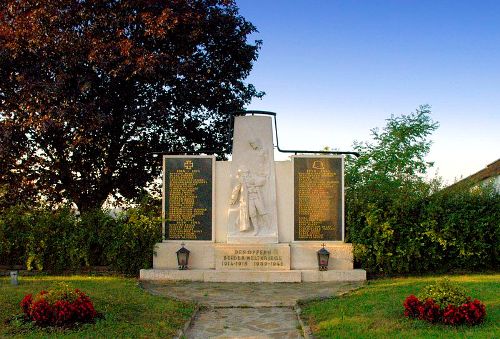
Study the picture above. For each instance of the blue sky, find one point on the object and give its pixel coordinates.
(333, 70)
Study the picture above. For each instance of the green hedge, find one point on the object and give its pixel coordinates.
(400, 232)
(448, 230)
(58, 240)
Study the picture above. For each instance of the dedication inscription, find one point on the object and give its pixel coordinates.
(251, 257)
(318, 193)
(188, 188)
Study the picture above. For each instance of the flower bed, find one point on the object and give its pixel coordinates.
(445, 303)
(58, 307)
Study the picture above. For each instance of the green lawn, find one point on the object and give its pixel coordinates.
(128, 310)
(376, 310)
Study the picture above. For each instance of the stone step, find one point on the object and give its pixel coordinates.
(253, 276)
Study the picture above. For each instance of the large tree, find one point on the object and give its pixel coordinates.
(89, 87)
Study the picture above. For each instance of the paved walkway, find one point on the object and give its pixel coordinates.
(247, 310)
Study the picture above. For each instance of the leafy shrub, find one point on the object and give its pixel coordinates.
(40, 238)
(444, 293)
(447, 230)
(58, 240)
(445, 302)
(97, 230)
(14, 231)
(58, 307)
(133, 245)
(463, 225)
(53, 242)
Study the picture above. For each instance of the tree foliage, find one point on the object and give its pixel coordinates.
(397, 154)
(89, 87)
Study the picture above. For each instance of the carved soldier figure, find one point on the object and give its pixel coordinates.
(252, 210)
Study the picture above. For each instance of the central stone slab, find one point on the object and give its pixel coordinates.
(251, 257)
(252, 213)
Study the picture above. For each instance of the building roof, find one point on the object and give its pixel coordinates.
(490, 171)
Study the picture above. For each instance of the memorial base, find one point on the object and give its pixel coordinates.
(253, 276)
(295, 256)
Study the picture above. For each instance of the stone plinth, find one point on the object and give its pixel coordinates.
(172, 275)
(295, 256)
(304, 255)
(252, 276)
(250, 257)
(337, 275)
(201, 256)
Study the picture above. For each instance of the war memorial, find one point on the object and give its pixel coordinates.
(253, 219)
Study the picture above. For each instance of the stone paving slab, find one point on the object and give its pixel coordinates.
(246, 310)
(248, 294)
(264, 322)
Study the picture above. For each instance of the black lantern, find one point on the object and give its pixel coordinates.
(182, 257)
(323, 256)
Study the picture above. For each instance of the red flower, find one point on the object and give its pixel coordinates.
(41, 313)
(59, 313)
(412, 305)
(26, 304)
(63, 312)
(430, 311)
(471, 313)
(86, 311)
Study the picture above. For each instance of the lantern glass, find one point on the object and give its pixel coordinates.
(183, 258)
(323, 257)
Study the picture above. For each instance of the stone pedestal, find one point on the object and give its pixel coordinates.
(304, 255)
(221, 262)
(201, 256)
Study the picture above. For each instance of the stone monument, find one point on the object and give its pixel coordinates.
(253, 218)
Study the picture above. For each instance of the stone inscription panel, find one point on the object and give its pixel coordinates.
(188, 185)
(252, 257)
(318, 194)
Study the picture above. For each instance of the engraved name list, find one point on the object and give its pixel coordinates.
(188, 198)
(318, 198)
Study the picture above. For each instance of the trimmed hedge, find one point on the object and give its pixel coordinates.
(449, 230)
(58, 240)
(398, 233)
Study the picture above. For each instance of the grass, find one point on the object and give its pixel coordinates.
(376, 310)
(129, 311)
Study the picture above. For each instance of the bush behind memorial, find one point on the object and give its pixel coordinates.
(58, 240)
(448, 230)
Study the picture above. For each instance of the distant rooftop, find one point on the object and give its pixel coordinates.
(489, 172)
